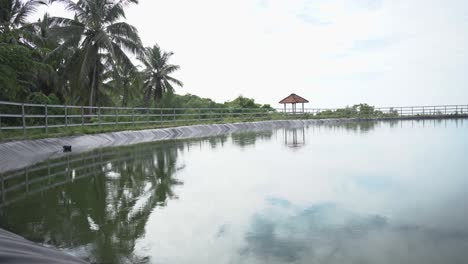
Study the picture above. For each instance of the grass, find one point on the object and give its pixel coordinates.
(10, 135)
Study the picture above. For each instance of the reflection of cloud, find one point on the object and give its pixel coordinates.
(265, 243)
(311, 19)
(221, 231)
(369, 4)
(374, 183)
(372, 44)
(326, 233)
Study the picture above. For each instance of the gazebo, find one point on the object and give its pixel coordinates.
(293, 99)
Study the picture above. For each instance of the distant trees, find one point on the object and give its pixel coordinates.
(194, 101)
(356, 111)
(244, 102)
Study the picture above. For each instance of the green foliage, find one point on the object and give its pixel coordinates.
(244, 102)
(356, 111)
(188, 101)
(13, 14)
(17, 69)
(40, 98)
(96, 39)
(156, 76)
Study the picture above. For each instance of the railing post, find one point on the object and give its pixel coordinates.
(199, 114)
(46, 119)
(160, 115)
(27, 179)
(48, 172)
(173, 115)
(133, 116)
(445, 110)
(423, 111)
(99, 116)
(3, 188)
(24, 119)
(82, 116)
(116, 119)
(66, 116)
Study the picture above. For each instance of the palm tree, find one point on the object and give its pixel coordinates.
(13, 15)
(124, 84)
(156, 77)
(50, 78)
(101, 40)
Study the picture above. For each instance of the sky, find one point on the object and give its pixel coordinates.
(334, 53)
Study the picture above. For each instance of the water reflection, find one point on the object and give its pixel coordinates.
(294, 137)
(250, 138)
(354, 193)
(327, 233)
(359, 127)
(96, 204)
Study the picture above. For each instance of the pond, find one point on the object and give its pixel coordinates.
(364, 192)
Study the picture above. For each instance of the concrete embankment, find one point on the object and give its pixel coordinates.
(22, 153)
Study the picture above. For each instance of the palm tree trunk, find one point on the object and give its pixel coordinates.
(147, 95)
(158, 93)
(93, 89)
(125, 94)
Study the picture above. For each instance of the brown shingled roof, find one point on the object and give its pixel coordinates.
(292, 99)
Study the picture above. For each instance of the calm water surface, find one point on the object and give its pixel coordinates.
(383, 192)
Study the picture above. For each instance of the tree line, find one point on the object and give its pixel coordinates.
(86, 60)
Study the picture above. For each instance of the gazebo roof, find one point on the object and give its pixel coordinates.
(293, 99)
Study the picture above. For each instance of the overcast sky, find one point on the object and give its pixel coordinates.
(332, 52)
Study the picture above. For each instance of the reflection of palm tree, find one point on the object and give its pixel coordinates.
(142, 186)
(107, 214)
(106, 211)
(214, 141)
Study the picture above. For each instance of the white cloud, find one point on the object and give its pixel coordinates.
(334, 53)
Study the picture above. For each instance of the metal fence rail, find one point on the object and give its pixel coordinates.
(17, 185)
(25, 116)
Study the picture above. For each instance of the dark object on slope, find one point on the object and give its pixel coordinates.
(15, 249)
(67, 149)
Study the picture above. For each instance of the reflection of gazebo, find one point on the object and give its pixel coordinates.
(293, 99)
(295, 137)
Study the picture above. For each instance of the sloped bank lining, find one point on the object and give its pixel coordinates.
(22, 153)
